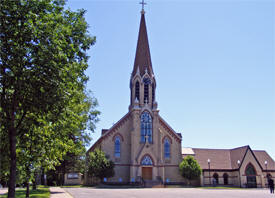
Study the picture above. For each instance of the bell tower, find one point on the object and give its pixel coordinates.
(142, 82)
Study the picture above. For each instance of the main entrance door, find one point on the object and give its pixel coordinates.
(251, 176)
(147, 173)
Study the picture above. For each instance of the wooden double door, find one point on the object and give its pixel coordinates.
(147, 173)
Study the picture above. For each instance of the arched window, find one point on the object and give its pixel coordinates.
(225, 179)
(146, 160)
(137, 90)
(250, 170)
(166, 148)
(216, 177)
(146, 93)
(117, 147)
(146, 127)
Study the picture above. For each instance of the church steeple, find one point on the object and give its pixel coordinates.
(143, 57)
(142, 83)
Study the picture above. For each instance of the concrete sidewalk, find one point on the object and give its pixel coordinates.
(57, 192)
(3, 191)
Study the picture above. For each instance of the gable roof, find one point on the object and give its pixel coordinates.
(108, 132)
(169, 129)
(227, 159)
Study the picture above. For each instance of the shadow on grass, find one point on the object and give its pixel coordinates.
(41, 192)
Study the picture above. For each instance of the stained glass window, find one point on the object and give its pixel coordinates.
(147, 160)
(166, 148)
(146, 127)
(117, 147)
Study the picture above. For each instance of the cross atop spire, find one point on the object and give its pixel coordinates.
(143, 4)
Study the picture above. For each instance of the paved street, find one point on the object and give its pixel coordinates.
(168, 192)
(57, 192)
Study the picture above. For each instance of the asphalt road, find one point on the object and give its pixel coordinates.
(168, 192)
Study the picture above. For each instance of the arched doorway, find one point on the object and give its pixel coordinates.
(250, 173)
(216, 178)
(147, 167)
(225, 179)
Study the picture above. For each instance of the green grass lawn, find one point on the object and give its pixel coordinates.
(41, 192)
(73, 186)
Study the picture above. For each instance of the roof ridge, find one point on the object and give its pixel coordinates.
(246, 146)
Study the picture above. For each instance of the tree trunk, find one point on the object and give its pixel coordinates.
(42, 177)
(28, 190)
(12, 177)
(34, 183)
(28, 172)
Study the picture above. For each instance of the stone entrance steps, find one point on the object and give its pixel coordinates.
(152, 184)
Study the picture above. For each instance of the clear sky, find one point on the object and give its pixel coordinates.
(213, 61)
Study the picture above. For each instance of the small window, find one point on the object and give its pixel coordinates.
(166, 148)
(72, 176)
(117, 147)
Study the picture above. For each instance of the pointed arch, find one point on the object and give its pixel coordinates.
(146, 127)
(118, 135)
(147, 160)
(168, 137)
(250, 170)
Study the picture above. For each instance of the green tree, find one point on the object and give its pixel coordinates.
(99, 166)
(42, 62)
(67, 135)
(190, 168)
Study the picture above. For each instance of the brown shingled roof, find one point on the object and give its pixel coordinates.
(219, 158)
(143, 57)
(227, 159)
(237, 154)
(263, 156)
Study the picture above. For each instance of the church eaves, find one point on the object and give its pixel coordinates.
(143, 57)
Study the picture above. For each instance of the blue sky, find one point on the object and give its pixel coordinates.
(213, 62)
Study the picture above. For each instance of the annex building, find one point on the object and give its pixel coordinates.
(145, 147)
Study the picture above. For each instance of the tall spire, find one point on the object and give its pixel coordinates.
(143, 57)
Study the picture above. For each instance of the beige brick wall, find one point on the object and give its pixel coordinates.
(132, 151)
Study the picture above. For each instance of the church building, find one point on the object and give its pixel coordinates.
(141, 143)
(146, 148)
